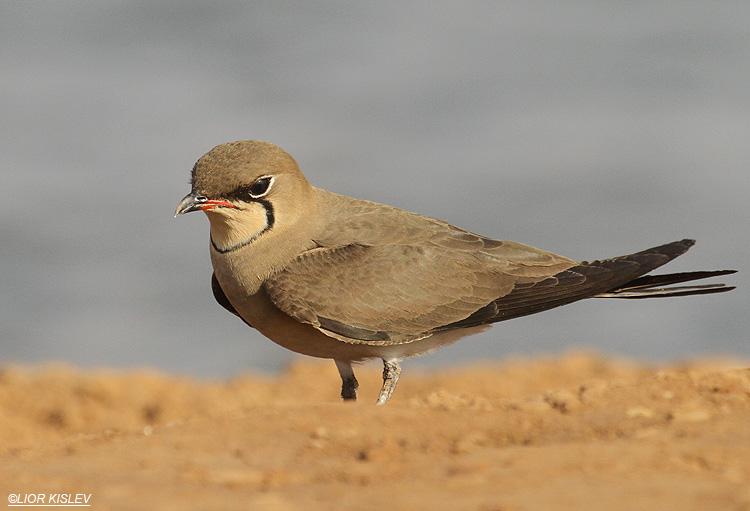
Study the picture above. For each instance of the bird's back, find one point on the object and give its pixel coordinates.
(357, 221)
(381, 275)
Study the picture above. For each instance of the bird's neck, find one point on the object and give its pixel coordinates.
(244, 256)
(233, 229)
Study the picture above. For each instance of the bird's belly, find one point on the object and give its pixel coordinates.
(263, 315)
(428, 344)
(258, 310)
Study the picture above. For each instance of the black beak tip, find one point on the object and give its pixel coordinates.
(188, 204)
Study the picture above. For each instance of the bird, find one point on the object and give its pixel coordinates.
(335, 277)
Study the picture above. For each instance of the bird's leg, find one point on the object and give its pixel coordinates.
(349, 383)
(391, 372)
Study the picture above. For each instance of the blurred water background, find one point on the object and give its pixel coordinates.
(589, 128)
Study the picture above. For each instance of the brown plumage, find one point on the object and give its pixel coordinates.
(335, 277)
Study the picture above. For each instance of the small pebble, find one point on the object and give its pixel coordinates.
(639, 411)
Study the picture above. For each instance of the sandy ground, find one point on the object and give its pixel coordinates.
(576, 432)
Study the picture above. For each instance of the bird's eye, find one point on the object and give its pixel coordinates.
(260, 187)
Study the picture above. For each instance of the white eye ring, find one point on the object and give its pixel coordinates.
(261, 187)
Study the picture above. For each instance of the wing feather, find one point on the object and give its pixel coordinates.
(394, 294)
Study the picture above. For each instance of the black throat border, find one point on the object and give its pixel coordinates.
(270, 220)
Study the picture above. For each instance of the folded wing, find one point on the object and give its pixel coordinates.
(399, 293)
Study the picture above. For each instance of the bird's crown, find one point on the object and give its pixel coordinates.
(228, 167)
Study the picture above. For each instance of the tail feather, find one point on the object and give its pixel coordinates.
(673, 278)
(650, 286)
(618, 277)
(665, 292)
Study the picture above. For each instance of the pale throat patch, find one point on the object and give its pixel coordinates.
(233, 228)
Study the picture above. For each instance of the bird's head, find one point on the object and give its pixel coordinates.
(245, 187)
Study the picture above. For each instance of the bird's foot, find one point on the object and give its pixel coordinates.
(391, 372)
(349, 383)
(349, 388)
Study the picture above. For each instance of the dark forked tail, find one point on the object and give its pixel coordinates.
(652, 286)
(619, 277)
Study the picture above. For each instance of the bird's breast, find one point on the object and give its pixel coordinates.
(245, 292)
